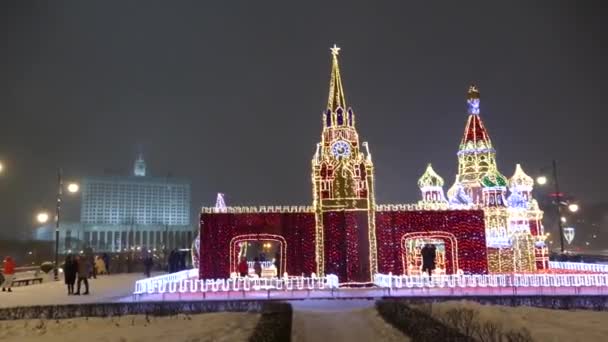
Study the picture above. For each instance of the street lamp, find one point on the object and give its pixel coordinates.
(73, 188)
(572, 207)
(1, 167)
(43, 217)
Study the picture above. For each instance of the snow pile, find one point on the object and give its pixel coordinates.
(203, 327)
(543, 324)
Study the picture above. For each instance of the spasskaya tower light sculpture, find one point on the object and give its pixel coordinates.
(342, 168)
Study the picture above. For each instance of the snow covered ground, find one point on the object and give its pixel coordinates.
(340, 320)
(103, 289)
(543, 324)
(204, 327)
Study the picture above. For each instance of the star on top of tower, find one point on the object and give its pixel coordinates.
(336, 92)
(335, 50)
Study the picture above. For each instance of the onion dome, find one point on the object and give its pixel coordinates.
(430, 178)
(520, 179)
(493, 178)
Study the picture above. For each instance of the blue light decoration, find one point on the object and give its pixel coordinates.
(473, 105)
(517, 201)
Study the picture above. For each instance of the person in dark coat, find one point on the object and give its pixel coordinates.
(106, 260)
(83, 269)
(277, 264)
(172, 261)
(257, 267)
(428, 258)
(148, 263)
(69, 273)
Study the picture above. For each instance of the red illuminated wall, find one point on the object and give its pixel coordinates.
(467, 227)
(347, 245)
(218, 229)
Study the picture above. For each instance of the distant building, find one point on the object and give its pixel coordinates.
(135, 212)
(135, 200)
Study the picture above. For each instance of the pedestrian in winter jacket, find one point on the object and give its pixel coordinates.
(83, 268)
(69, 273)
(9, 274)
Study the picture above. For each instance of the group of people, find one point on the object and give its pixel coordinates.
(82, 268)
(176, 261)
(243, 266)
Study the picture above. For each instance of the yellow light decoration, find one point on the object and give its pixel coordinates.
(342, 173)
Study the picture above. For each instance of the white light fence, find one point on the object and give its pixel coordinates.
(578, 266)
(192, 285)
(263, 264)
(490, 280)
(163, 280)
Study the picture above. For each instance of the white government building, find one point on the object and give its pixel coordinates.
(120, 213)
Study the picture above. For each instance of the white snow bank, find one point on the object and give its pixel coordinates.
(202, 327)
(543, 324)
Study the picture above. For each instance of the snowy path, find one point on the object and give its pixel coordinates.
(103, 289)
(340, 320)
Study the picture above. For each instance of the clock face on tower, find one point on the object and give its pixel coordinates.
(340, 148)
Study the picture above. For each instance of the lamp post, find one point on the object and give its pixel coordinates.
(43, 217)
(573, 207)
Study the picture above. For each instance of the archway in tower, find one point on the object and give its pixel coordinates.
(446, 251)
(267, 249)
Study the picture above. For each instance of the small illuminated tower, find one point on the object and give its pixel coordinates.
(476, 155)
(522, 183)
(342, 168)
(431, 187)
(495, 208)
(525, 218)
(220, 204)
(139, 169)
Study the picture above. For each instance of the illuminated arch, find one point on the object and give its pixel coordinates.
(257, 237)
(446, 236)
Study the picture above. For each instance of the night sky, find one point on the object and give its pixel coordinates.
(230, 94)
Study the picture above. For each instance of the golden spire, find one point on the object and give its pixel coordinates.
(336, 92)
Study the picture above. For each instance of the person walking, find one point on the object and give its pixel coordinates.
(83, 268)
(69, 273)
(148, 263)
(9, 274)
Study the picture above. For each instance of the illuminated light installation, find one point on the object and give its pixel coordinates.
(431, 186)
(220, 207)
(344, 232)
(343, 190)
(513, 223)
